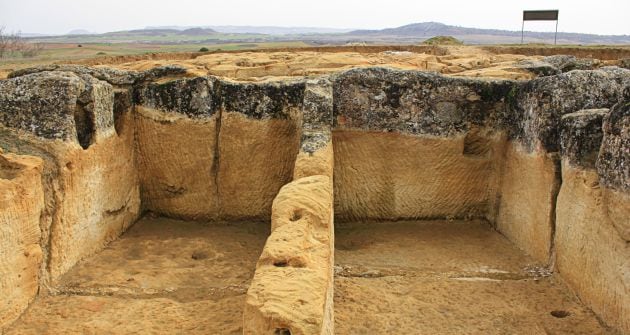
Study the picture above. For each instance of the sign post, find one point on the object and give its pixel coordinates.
(540, 15)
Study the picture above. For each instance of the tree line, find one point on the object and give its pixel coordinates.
(14, 45)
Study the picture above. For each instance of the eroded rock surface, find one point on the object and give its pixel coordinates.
(21, 204)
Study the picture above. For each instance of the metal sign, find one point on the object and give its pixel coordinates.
(540, 15)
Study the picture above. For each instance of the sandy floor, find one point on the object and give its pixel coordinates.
(172, 277)
(446, 278)
(162, 277)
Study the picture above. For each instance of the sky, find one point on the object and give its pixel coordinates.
(61, 16)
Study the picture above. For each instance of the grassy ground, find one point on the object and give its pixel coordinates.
(58, 52)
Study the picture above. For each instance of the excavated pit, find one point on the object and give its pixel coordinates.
(367, 201)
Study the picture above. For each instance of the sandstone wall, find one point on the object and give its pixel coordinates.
(529, 187)
(177, 126)
(21, 206)
(90, 174)
(216, 150)
(591, 255)
(531, 174)
(593, 210)
(392, 176)
(416, 145)
(258, 142)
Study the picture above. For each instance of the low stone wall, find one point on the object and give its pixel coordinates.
(292, 289)
(21, 206)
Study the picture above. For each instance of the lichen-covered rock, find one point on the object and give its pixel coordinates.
(613, 163)
(538, 105)
(539, 68)
(317, 114)
(581, 136)
(566, 63)
(273, 100)
(318, 104)
(195, 98)
(58, 105)
(415, 102)
(110, 75)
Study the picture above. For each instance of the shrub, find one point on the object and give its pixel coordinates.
(443, 40)
(204, 49)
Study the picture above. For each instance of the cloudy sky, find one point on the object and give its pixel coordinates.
(61, 16)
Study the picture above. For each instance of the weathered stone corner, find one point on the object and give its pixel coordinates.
(581, 136)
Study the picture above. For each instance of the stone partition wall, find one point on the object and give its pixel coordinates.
(21, 206)
(292, 289)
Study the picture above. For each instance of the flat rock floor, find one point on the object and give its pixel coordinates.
(425, 277)
(446, 277)
(162, 277)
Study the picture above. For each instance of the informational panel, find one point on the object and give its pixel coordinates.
(540, 15)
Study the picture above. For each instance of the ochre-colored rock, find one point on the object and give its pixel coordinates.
(164, 141)
(256, 158)
(98, 197)
(592, 256)
(393, 176)
(529, 186)
(21, 207)
(292, 287)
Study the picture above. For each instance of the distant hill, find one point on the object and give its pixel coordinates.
(484, 36)
(197, 32)
(270, 30)
(79, 32)
(267, 30)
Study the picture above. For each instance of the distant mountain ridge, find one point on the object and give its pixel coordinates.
(479, 35)
(267, 30)
(407, 34)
